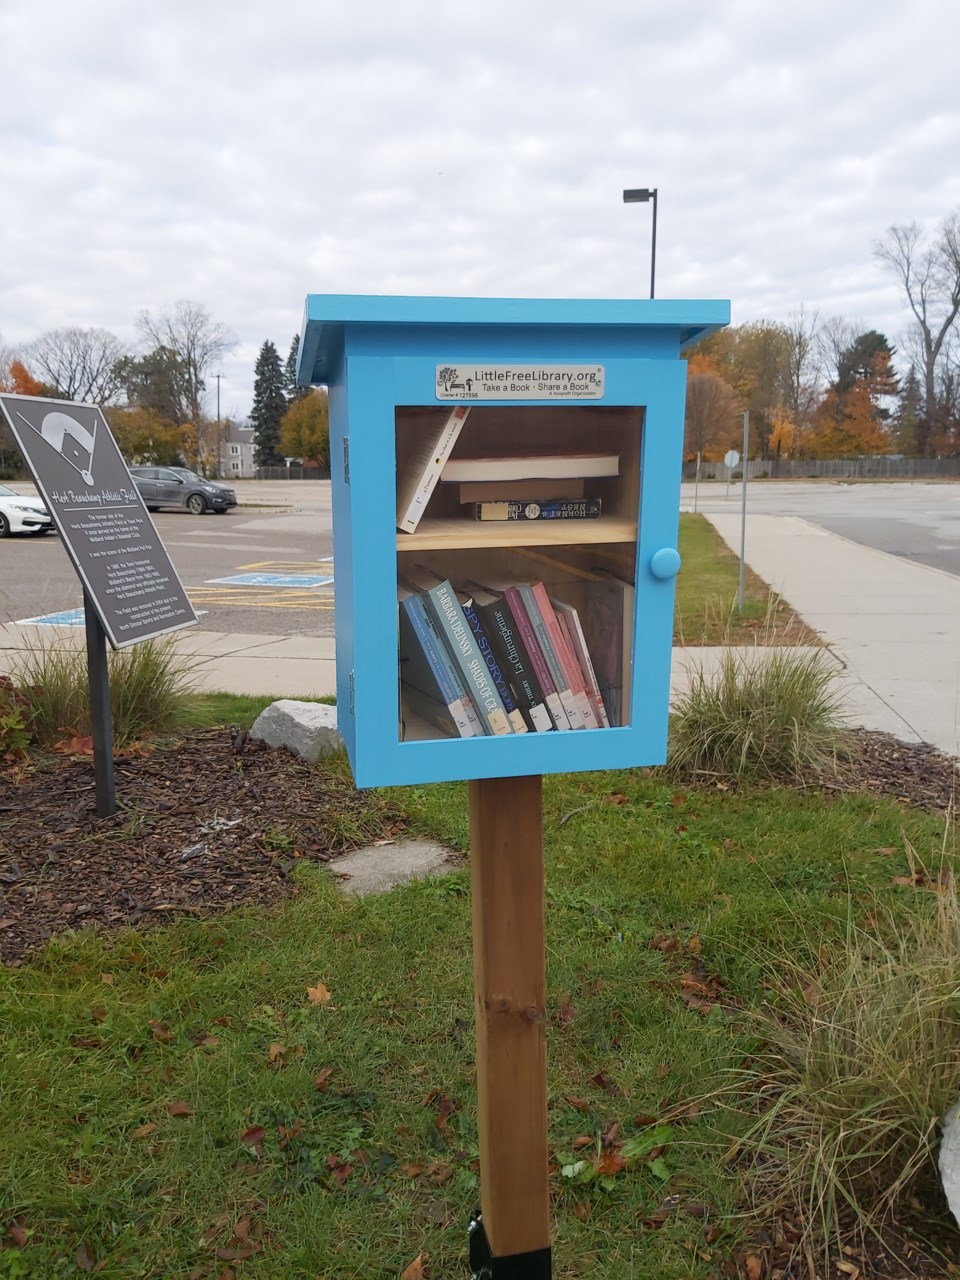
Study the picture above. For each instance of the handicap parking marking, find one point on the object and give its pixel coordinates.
(65, 618)
(301, 580)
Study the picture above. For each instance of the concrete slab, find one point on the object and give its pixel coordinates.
(378, 868)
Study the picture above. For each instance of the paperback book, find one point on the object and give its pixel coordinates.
(555, 509)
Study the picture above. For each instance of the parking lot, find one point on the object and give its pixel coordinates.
(264, 567)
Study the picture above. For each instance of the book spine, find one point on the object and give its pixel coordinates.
(509, 647)
(539, 663)
(431, 646)
(585, 509)
(582, 653)
(497, 672)
(567, 699)
(587, 706)
(422, 471)
(453, 673)
(456, 633)
(570, 668)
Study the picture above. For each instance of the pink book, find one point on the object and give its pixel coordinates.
(568, 662)
(537, 660)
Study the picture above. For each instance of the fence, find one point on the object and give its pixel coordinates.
(292, 473)
(880, 468)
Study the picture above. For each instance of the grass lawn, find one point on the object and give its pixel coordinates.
(291, 1093)
(707, 589)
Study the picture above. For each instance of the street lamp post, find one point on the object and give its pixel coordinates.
(640, 195)
(218, 376)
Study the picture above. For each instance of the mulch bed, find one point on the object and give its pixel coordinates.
(212, 822)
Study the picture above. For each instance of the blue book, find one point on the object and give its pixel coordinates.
(442, 603)
(514, 714)
(424, 671)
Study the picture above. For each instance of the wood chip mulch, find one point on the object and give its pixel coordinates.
(214, 821)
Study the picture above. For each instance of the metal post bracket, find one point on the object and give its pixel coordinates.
(536, 1265)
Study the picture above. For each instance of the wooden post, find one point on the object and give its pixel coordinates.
(506, 855)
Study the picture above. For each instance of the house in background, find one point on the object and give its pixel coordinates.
(236, 452)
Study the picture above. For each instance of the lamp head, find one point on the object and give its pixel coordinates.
(638, 195)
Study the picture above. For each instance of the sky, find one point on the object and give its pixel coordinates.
(242, 155)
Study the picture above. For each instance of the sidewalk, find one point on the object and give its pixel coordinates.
(892, 625)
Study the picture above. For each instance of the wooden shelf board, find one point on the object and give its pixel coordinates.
(447, 535)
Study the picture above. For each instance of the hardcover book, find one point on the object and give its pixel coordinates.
(554, 466)
(554, 509)
(520, 490)
(421, 471)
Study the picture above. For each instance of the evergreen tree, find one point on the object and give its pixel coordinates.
(269, 406)
(294, 393)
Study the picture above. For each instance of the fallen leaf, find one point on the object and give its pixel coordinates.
(180, 1109)
(84, 1257)
(275, 1053)
(107, 979)
(583, 1141)
(617, 798)
(253, 1136)
(754, 1267)
(18, 1234)
(144, 1131)
(318, 994)
(581, 1209)
(160, 1031)
(99, 1014)
(415, 1269)
(240, 1251)
(579, 1104)
(611, 1162)
(322, 1078)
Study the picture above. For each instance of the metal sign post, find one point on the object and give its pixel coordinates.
(730, 460)
(101, 719)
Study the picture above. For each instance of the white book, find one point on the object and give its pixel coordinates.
(568, 614)
(422, 469)
(557, 466)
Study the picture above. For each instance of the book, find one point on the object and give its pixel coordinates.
(548, 466)
(492, 659)
(569, 620)
(554, 509)
(501, 627)
(540, 630)
(520, 490)
(606, 615)
(424, 581)
(539, 663)
(421, 470)
(425, 668)
(443, 605)
(568, 662)
(416, 705)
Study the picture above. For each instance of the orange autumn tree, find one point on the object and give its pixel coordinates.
(853, 420)
(19, 381)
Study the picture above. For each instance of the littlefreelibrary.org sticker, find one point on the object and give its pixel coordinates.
(519, 382)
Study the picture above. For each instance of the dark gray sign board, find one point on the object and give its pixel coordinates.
(106, 529)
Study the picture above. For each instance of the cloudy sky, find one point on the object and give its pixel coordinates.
(243, 155)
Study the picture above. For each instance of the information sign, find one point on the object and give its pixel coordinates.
(106, 529)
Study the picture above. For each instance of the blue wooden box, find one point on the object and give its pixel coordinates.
(563, 377)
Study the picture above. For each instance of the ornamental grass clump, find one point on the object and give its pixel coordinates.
(150, 686)
(859, 1065)
(764, 714)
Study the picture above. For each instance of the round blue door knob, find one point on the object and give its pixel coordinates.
(665, 563)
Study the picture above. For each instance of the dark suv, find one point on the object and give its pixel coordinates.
(178, 487)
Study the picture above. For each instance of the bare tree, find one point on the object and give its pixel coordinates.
(837, 335)
(79, 364)
(197, 341)
(803, 364)
(929, 272)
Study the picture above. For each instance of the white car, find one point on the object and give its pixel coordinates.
(19, 514)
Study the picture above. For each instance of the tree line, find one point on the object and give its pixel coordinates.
(827, 387)
(288, 421)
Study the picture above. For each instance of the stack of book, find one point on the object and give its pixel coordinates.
(515, 657)
(530, 488)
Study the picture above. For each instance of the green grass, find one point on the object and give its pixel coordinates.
(671, 915)
(707, 588)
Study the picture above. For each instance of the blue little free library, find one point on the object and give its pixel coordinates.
(506, 485)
